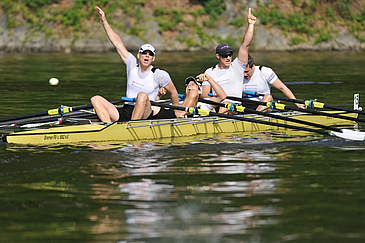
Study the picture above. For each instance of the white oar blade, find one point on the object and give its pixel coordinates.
(349, 134)
(353, 132)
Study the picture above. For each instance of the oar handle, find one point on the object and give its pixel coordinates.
(128, 99)
(181, 97)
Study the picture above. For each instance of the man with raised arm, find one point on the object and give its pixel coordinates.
(143, 82)
(227, 73)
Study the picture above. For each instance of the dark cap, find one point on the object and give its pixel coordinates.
(223, 49)
(189, 79)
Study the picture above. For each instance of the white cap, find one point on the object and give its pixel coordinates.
(147, 47)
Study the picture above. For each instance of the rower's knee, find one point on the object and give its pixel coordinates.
(96, 99)
(142, 97)
(267, 98)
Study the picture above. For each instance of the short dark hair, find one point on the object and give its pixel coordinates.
(251, 61)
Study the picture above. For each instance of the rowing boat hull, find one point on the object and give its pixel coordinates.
(160, 129)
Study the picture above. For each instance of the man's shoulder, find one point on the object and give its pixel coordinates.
(161, 76)
(131, 60)
(237, 63)
(266, 73)
(157, 70)
(210, 69)
(265, 69)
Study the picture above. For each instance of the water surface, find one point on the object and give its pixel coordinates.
(257, 188)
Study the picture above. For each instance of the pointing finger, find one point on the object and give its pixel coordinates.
(249, 11)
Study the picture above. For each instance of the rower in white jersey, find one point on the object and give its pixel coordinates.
(143, 82)
(227, 73)
(193, 90)
(259, 79)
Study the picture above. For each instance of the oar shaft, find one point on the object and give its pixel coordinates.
(155, 103)
(309, 103)
(266, 122)
(194, 110)
(325, 114)
(45, 113)
(181, 108)
(332, 107)
(248, 110)
(58, 111)
(282, 106)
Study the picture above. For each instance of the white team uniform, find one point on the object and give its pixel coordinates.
(230, 79)
(260, 81)
(205, 106)
(148, 82)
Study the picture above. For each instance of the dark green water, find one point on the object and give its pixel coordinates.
(246, 190)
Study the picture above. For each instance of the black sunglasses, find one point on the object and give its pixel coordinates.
(228, 55)
(149, 53)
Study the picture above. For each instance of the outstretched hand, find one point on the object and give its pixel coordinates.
(101, 14)
(251, 19)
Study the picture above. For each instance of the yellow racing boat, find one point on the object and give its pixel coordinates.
(148, 130)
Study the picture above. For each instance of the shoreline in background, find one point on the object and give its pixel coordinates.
(285, 25)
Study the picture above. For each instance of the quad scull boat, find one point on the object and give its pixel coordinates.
(295, 122)
(147, 130)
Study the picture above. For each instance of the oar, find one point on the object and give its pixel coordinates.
(346, 134)
(59, 111)
(349, 134)
(234, 107)
(43, 119)
(279, 106)
(310, 103)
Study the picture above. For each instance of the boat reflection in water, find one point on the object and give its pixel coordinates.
(182, 198)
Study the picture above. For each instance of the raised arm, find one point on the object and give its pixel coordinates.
(113, 37)
(206, 90)
(243, 50)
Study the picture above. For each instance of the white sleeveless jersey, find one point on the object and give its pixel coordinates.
(148, 82)
(230, 79)
(260, 81)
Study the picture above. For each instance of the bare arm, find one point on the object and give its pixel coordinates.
(205, 91)
(173, 93)
(243, 50)
(113, 37)
(161, 92)
(286, 91)
(220, 94)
